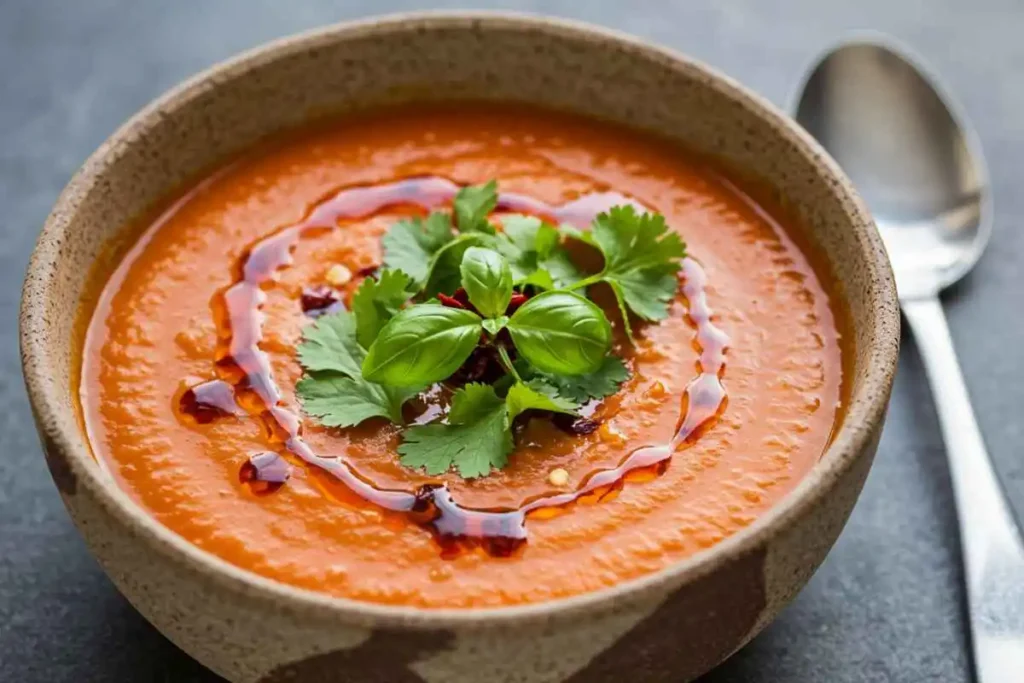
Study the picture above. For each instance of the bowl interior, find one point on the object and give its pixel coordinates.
(559, 65)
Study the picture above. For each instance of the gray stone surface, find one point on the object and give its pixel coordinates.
(886, 606)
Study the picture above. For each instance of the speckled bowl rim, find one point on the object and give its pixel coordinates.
(864, 415)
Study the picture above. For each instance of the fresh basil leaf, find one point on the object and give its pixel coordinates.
(487, 280)
(444, 274)
(377, 300)
(475, 439)
(495, 325)
(410, 244)
(421, 345)
(561, 332)
(472, 205)
(536, 395)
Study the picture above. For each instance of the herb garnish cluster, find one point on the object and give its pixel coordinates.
(455, 292)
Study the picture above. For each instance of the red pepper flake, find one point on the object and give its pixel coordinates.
(461, 296)
(577, 426)
(317, 301)
(450, 302)
(502, 546)
(515, 302)
(483, 365)
(424, 497)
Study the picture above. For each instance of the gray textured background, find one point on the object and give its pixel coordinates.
(886, 606)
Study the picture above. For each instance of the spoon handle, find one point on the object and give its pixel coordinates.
(991, 542)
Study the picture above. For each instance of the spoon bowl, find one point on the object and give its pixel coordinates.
(919, 166)
(911, 155)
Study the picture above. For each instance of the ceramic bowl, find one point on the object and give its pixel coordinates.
(671, 625)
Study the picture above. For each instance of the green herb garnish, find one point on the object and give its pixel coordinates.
(603, 382)
(411, 245)
(454, 284)
(561, 332)
(423, 344)
(475, 439)
(534, 254)
(334, 389)
(378, 300)
(641, 261)
(487, 279)
(472, 205)
(478, 435)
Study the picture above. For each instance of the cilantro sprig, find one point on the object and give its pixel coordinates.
(478, 435)
(602, 382)
(641, 261)
(455, 286)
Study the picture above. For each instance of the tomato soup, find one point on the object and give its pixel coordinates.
(189, 368)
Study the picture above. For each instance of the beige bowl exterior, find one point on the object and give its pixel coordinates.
(669, 626)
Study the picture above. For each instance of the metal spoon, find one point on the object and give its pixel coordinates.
(919, 166)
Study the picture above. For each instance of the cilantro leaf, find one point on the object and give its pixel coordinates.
(475, 439)
(340, 401)
(562, 270)
(534, 254)
(521, 240)
(620, 301)
(334, 389)
(536, 395)
(410, 244)
(642, 259)
(647, 293)
(574, 233)
(471, 206)
(330, 344)
(471, 402)
(377, 301)
(601, 383)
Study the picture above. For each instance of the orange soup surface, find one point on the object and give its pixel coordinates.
(160, 329)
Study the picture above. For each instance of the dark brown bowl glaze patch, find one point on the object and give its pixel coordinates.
(697, 627)
(693, 630)
(383, 658)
